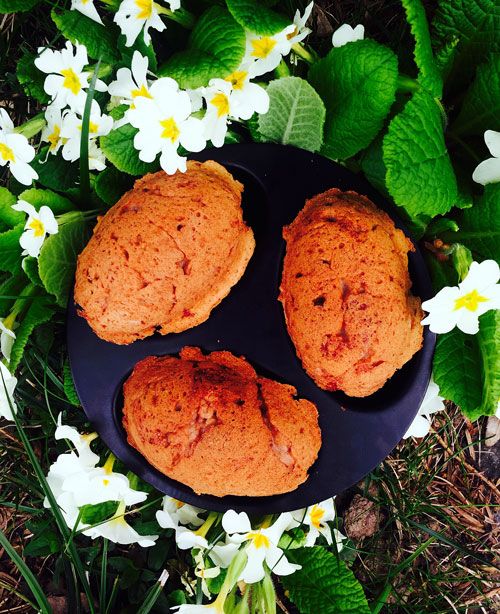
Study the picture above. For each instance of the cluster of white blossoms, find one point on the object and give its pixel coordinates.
(15, 151)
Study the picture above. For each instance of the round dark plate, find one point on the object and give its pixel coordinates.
(357, 433)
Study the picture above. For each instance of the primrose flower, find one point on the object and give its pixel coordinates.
(176, 512)
(265, 52)
(164, 123)
(7, 386)
(15, 151)
(87, 8)
(134, 15)
(71, 132)
(222, 553)
(262, 545)
(7, 338)
(299, 22)
(204, 572)
(463, 304)
(66, 80)
(347, 34)
(80, 442)
(51, 134)
(247, 98)
(217, 97)
(187, 608)
(119, 531)
(131, 82)
(316, 518)
(431, 403)
(38, 226)
(489, 170)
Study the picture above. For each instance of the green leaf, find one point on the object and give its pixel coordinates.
(481, 107)
(92, 514)
(30, 267)
(256, 17)
(69, 386)
(216, 48)
(324, 584)
(101, 41)
(31, 78)
(12, 286)
(479, 226)
(467, 367)
(10, 250)
(420, 176)
(57, 260)
(110, 185)
(118, 147)
(15, 6)
(357, 83)
(296, 114)
(39, 312)
(8, 215)
(429, 74)
(54, 172)
(57, 203)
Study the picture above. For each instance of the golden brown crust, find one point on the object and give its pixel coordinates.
(165, 255)
(212, 423)
(345, 291)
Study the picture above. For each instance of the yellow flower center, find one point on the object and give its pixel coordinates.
(93, 127)
(262, 47)
(37, 227)
(470, 301)
(53, 138)
(105, 482)
(316, 514)
(237, 79)
(7, 153)
(221, 103)
(142, 91)
(259, 540)
(71, 80)
(292, 34)
(170, 129)
(145, 9)
(179, 504)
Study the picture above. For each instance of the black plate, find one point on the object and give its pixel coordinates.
(357, 433)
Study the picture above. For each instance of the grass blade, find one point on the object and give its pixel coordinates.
(84, 140)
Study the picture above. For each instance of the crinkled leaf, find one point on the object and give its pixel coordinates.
(54, 172)
(100, 41)
(481, 107)
(57, 260)
(324, 584)
(38, 198)
(296, 114)
(92, 514)
(110, 185)
(31, 78)
(429, 74)
(357, 83)
(467, 367)
(30, 267)
(216, 48)
(118, 147)
(10, 250)
(8, 215)
(15, 6)
(40, 311)
(10, 287)
(420, 176)
(69, 386)
(256, 17)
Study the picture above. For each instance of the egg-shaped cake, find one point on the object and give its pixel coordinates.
(346, 295)
(209, 421)
(164, 255)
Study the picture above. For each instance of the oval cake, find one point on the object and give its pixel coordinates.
(212, 423)
(346, 295)
(164, 255)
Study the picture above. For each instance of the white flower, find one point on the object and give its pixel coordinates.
(119, 531)
(102, 484)
(97, 160)
(266, 52)
(80, 442)
(222, 553)
(217, 97)
(131, 82)
(66, 80)
(15, 151)
(134, 15)
(489, 170)
(52, 132)
(347, 34)
(463, 304)
(187, 608)
(71, 132)
(176, 512)
(164, 123)
(38, 226)
(262, 545)
(87, 8)
(299, 22)
(7, 386)
(316, 518)
(247, 98)
(431, 403)
(187, 539)
(203, 572)
(7, 338)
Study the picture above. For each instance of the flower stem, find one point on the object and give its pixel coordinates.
(304, 53)
(282, 70)
(205, 527)
(180, 16)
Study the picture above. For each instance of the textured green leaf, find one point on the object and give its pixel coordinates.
(429, 74)
(10, 250)
(481, 107)
(324, 584)
(100, 41)
(92, 514)
(30, 267)
(357, 83)
(118, 147)
(216, 48)
(110, 185)
(8, 215)
(57, 260)
(38, 198)
(31, 78)
(479, 226)
(54, 172)
(467, 367)
(39, 312)
(69, 386)
(255, 17)
(296, 114)
(11, 286)
(420, 176)
(15, 6)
